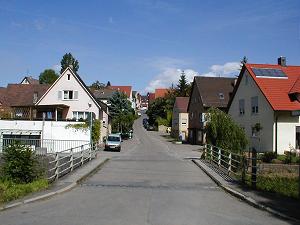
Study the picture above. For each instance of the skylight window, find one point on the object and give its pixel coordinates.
(269, 73)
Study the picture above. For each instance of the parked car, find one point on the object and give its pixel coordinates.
(113, 142)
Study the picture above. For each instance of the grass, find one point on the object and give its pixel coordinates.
(11, 191)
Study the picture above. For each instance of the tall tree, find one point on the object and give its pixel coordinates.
(108, 84)
(182, 86)
(48, 76)
(69, 60)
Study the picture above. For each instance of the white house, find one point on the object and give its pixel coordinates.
(180, 118)
(266, 103)
(69, 98)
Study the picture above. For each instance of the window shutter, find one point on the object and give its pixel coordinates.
(75, 94)
(59, 95)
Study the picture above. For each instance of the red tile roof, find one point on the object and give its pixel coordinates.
(151, 97)
(161, 92)
(181, 103)
(277, 90)
(125, 89)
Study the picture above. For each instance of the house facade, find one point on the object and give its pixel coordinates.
(265, 103)
(69, 98)
(206, 92)
(180, 118)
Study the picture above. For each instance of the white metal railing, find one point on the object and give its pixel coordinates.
(43, 146)
(66, 161)
(230, 162)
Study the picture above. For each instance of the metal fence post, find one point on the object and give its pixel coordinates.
(219, 156)
(211, 153)
(56, 166)
(81, 155)
(254, 169)
(71, 159)
(229, 163)
(90, 152)
(205, 151)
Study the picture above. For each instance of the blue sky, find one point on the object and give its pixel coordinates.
(145, 43)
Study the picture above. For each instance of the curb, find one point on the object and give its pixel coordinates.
(60, 191)
(245, 198)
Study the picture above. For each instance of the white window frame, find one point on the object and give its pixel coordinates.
(76, 113)
(68, 94)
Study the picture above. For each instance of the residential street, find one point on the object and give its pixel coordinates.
(149, 182)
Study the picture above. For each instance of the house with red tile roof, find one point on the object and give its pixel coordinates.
(180, 118)
(160, 92)
(266, 103)
(127, 90)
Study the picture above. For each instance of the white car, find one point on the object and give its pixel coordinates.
(113, 142)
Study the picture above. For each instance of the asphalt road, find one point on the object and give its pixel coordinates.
(147, 183)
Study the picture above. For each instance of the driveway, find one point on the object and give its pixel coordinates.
(149, 182)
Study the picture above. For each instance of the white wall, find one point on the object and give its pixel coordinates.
(286, 127)
(265, 114)
(81, 104)
(184, 128)
(63, 137)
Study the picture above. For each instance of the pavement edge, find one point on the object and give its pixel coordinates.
(60, 191)
(245, 198)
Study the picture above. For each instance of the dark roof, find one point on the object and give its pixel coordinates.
(31, 80)
(103, 93)
(181, 103)
(214, 91)
(22, 95)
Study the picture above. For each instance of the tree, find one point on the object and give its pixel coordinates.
(183, 87)
(108, 84)
(49, 76)
(69, 60)
(223, 132)
(244, 61)
(121, 112)
(97, 85)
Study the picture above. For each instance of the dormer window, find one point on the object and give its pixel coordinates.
(221, 95)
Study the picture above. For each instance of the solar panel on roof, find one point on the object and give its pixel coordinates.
(262, 72)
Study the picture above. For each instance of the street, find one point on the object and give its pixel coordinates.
(147, 183)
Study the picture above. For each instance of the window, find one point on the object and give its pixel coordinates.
(70, 95)
(242, 106)
(221, 95)
(202, 117)
(69, 76)
(183, 122)
(79, 115)
(254, 105)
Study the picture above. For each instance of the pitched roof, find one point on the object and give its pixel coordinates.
(125, 89)
(160, 92)
(181, 103)
(22, 95)
(277, 90)
(103, 93)
(31, 80)
(214, 91)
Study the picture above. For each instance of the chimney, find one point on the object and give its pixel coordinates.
(282, 61)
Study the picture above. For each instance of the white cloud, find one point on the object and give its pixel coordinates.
(56, 67)
(226, 70)
(170, 72)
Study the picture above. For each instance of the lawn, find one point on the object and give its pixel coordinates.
(11, 191)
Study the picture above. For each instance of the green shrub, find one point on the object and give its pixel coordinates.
(284, 185)
(96, 131)
(20, 164)
(267, 157)
(10, 191)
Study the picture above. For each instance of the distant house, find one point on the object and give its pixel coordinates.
(136, 99)
(103, 94)
(29, 80)
(206, 92)
(180, 118)
(69, 98)
(151, 97)
(144, 102)
(266, 104)
(127, 90)
(160, 92)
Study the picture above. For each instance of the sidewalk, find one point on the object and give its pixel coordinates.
(284, 207)
(64, 184)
